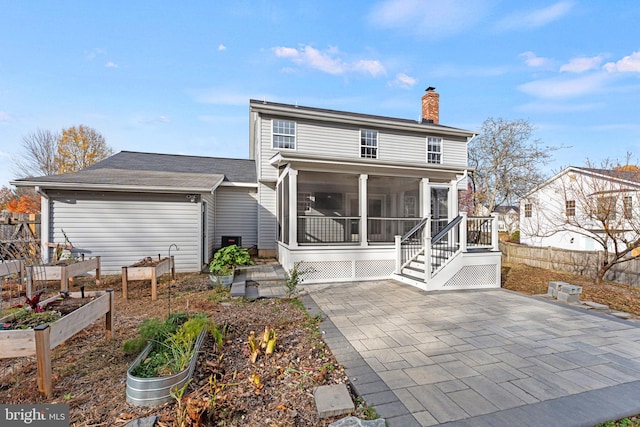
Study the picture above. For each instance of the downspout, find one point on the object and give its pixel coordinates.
(44, 224)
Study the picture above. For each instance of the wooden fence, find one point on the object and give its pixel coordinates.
(19, 235)
(584, 263)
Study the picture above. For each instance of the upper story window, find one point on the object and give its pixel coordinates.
(284, 134)
(434, 150)
(627, 206)
(527, 210)
(368, 144)
(570, 207)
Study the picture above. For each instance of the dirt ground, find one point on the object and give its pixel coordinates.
(90, 372)
(532, 280)
(227, 389)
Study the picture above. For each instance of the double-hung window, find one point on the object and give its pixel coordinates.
(368, 144)
(570, 207)
(627, 206)
(284, 134)
(527, 210)
(434, 150)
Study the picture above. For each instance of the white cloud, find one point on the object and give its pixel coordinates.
(155, 120)
(373, 67)
(582, 64)
(628, 64)
(404, 81)
(5, 117)
(532, 60)
(111, 64)
(93, 53)
(221, 47)
(551, 107)
(434, 19)
(536, 18)
(561, 87)
(329, 61)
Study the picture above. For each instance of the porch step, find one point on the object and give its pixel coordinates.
(238, 287)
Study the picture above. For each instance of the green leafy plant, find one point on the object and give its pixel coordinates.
(294, 277)
(227, 258)
(173, 343)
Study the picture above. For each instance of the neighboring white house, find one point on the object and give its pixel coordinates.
(330, 188)
(573, 209)
(508, 218)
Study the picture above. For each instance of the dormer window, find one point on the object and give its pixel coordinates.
(368, 144)
(284, 134)
(434, 150)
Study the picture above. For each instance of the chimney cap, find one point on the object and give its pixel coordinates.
(430, 89)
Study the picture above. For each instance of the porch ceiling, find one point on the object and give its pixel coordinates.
(435, 173)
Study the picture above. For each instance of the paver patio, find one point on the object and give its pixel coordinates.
(473, 358)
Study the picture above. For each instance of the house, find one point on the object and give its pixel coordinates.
(580, 207)
(508, 218)
(352, 196)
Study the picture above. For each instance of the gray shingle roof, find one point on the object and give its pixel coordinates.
(152, 170)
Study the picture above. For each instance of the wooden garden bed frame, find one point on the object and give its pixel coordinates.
(167, 265)
(66, 273)
(41, 340)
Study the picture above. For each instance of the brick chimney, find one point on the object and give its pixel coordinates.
(431, 106)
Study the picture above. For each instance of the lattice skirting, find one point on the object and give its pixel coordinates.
(473, 276)
(318, 271)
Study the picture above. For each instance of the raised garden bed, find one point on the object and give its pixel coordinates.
(65, 270)
(157, 390)
(148, 269)
(40, 340)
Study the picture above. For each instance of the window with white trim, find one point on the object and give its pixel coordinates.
(434, 150)
(627, 205)
(570, 207)
(368, 144)
(284, 134)
(527, 210)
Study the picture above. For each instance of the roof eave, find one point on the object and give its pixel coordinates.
(339, 117)
(44, 185)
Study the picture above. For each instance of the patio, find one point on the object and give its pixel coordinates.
(486, 357)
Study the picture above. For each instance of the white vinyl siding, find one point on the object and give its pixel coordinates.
(342, 141)
(267, 225)
(211, 221)
(236, 215)
(123, 228)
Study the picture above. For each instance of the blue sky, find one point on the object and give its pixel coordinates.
(176, 77)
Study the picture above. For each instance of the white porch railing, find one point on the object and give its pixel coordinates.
(462, 234)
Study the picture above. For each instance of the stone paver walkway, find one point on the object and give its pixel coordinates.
(476, 358)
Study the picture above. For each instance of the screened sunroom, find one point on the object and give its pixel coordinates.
(352, 209)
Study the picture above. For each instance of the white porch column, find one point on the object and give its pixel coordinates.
(453, 200)
(425, 198)
(363, 209)
(293, 208)
(494, 232)
(427, 250)
(463, 232)
(398, 244)
(45, 222)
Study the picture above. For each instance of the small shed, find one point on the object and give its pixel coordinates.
(134, 205)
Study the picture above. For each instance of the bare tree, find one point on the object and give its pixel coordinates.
(507, 163)
(48, 153)
(596, 202)
(38, 157)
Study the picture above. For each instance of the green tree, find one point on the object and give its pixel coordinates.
(79, 147)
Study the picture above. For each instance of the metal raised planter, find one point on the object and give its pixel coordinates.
(157, 390)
